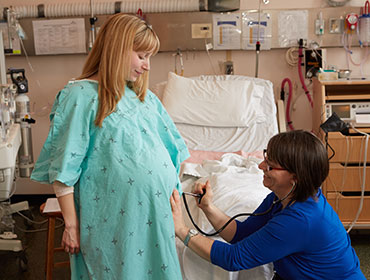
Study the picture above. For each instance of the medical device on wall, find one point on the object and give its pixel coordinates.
(23, 117)
(351, 21)
(352, 27)
(314, 60)
(355, 113)
(364, 24)
(319, 25)
(359, 24)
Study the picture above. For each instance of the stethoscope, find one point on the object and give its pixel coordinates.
(200, 196)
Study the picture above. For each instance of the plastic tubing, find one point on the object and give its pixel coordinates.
(104, 8)
(301, 78)
(364, 28)
(347, 41)
(287, 111)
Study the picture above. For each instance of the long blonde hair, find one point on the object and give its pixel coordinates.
(110, 58)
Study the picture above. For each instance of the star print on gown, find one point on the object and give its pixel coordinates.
(123, 174)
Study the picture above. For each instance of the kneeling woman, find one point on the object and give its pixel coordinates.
(300, 233)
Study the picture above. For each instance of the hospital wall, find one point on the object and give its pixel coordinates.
(48, 74)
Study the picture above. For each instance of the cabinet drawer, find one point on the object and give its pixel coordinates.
(347, 207)
(352, 176)
(353, 146)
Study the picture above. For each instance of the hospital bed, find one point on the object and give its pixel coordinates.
(226, 122)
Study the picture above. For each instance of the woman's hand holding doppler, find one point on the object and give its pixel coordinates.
(206, 191)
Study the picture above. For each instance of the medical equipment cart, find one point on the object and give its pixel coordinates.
(344, 186)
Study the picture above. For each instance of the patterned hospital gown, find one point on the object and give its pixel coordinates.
(123, 174)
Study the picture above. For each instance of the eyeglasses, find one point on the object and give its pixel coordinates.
(269, 168)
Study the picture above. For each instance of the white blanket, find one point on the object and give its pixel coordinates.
(236, 184)
(237, 188)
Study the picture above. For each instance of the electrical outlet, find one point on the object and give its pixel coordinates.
(336, 25)
(229, 68)
(201, 30)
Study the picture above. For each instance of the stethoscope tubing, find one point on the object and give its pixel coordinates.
(229, 221)
(232, 218)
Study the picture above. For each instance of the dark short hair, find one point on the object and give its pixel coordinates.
(304, 155)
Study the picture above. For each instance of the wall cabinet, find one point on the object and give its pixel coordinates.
(343, 186)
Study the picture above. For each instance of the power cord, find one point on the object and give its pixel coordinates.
(363, 178)
(38, 223)
(209, 47)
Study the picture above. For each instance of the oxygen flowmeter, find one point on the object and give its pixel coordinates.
(23, 117)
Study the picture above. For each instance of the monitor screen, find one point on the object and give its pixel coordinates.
(343, 111)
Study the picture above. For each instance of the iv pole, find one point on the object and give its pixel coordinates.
(258, 44)
(2, 61)
(93, 19)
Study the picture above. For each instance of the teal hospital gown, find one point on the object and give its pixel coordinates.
(124, 174)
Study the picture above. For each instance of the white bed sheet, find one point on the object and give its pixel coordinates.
(237, 182)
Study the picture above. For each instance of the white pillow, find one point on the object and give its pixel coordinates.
(158, 89)
(221, 103)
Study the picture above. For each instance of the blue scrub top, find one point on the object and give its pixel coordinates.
(305, 240)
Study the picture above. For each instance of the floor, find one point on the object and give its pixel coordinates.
(13, 267)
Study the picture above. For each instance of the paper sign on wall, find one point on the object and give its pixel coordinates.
(226, 31)
(292, 26)
(59, 36)
(255, 28)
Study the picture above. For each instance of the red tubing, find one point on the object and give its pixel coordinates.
(301, 78)
(287, 111)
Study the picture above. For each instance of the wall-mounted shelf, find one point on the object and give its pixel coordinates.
(175, 29)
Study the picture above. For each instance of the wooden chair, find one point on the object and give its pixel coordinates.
(50, 249)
